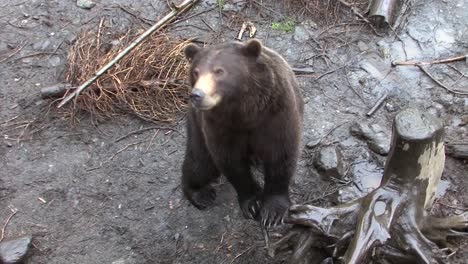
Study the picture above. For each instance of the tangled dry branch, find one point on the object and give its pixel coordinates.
(149, 82)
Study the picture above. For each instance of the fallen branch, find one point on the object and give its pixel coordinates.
(2, 235)
(184, 6)
(420, 63)
(377, 104)
(438, 82)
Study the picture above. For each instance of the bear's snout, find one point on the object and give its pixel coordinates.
(197, 96)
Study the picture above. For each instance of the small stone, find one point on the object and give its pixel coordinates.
(378, 140)
(14, 251)
(313, 143)
(301, 34)
(362, 46)
(42, 45)
(55, 61)
(85, 4)
(329, 162)
(390, 107)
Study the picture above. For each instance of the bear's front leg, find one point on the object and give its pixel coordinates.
(275, 200)
(198, 170)
(248, 191)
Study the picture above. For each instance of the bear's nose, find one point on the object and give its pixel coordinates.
(197, 95)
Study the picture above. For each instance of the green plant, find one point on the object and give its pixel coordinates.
(285, 26)
(220, 3)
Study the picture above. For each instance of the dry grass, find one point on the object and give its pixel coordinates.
(148, 82)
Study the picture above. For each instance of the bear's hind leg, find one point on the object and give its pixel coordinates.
(198, 169)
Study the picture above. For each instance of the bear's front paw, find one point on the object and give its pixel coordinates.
(250, 207)
(201, 198)
(274, 209)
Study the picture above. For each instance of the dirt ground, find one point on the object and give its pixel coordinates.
(88, 198)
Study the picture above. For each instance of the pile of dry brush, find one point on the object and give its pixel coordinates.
(149, 82)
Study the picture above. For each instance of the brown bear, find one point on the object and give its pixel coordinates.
(245, 109)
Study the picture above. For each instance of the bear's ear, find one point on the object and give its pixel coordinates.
(191, 50)
(253, 48)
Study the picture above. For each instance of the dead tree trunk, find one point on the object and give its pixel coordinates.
(391, 224)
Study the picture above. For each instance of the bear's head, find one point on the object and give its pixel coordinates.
(227, 74)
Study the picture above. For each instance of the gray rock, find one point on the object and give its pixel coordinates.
(301, 33)
(85, 4)
(329, 162)
(458, 150)
(313, 143)
(14, 251)
(378, 140)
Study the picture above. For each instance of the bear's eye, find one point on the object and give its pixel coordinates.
(195, 73)
(219, 71)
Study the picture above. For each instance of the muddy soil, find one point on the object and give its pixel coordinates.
(88, 198)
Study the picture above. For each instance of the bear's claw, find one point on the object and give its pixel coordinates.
(203, 198)
(274, 210)
(250, 208)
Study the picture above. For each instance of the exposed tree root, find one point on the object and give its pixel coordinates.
(392, 223)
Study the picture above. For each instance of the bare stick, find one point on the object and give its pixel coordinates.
(377, 104)
(242, 253)
(14, 211)
(438, 82)
(440, 61)
(148, 128)
(14, 52)
(161, 23)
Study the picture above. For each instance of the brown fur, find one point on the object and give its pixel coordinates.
(258, 118)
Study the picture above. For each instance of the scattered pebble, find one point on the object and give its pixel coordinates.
(85, 4)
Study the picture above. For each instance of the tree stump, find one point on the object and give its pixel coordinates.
(392, 223)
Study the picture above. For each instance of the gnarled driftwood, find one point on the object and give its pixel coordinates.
(392, 223)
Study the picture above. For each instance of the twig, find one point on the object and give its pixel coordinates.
(144, 20)
(122, 149)
(330, 71)
(147, 128)
(419, 63)
(160, 24)
(438, 82)
(56, 49)
(242, 253)
(50, 53)
(14, 211)
(377, 104)
(208, 25)
(14, 52)
(194, 15)
(152, 138)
